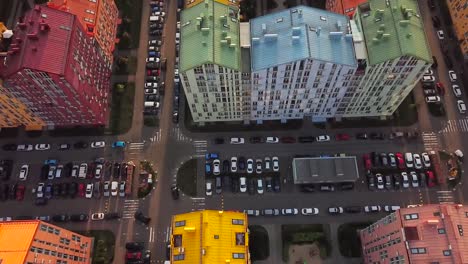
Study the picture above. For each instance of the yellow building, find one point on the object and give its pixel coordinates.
(459, 13)
(210, 237)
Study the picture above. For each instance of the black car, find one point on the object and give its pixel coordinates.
(44, 172)
(435, 64)
(241, 163)
(61, 218)
(67, 169)
(353, 209)
(73, 188)
(226, 182)
(12, 192)
(218, 185)
(388, 182)
(379, 136)
(306, 139)
(9, 147)
(347, 186)
(4, 192)
(116, 170)
(251, 186)
(362, 136)
(235, 184)
(152, 78)
(155, 32)
(23, 217)
(79, 217)
(175, 192)
(436, 21)
(371, 182)
(276, 184)
(307, 188)
(175, 117)
(219, 141)
(139, 216)
(111, 216)
(6, 166)
(124, 170)
(375, 158)
(134, 246)
(40, 201)
(56, 189)
(64, 189)
(396, 181)
(431, 4)
(80, 145)
(64, 146)
(269, 184)
(255, 140)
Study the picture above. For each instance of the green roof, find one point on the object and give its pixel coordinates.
(210, 34)
(393, 28)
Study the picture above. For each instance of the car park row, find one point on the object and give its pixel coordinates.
(335, 210)
(62, 218)
(177, 84)
(61, 146)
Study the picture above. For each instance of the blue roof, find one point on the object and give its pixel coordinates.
(299, 33)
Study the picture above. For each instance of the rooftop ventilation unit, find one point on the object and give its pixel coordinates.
(255, 40)
(264, 29)
(404, 23)
(232, 45)
(295, 39)
(205, 29)
(338, 24)
(336, 34)
(386, 36)
(271, 37)
(223, 42)
(296, 31)
(279, 20)
(317, 30)
(299, 13)
(381, 26)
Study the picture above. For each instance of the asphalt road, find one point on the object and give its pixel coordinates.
(170, 145)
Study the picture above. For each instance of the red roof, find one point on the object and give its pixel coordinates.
(42, 41)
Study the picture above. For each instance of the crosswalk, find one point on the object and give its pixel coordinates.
(455, 125)
(200, 147)
(430, 141)
(445, 197)
(129, 208)
(156, 137)
(177, 134)
(198, 204)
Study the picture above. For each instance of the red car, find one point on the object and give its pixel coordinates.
(81, 190)
(133, 255)
(153, 72)
(440, 88)
(400, 160)
(431, 179)
(367, 161)
(342, 137)
(288, 140)
(20, 190)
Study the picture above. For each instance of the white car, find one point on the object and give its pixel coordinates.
(405, 179)
(414, 179)
(209, 188)
(417, 161)
(335, 210)
(409, 160)
(428, 78)
(259, 186)
(83, 170)
(150, 85)
(114, 188)
(322, 138)
(461, 107)
(428, 72)
(380, 182)
(89, 190)
(237, 141)
(372, 208)
(310, 211)
(289, 211)
(152, 59)
(97, 216)
(234, 164)
(426, 160)
(258, 167)
(275, 164)
(151, 91)
(433, 99)
(42, 146)
(74, 171)
(252, 212)
(456, 90)
(40, 190)
(23, 175)
(440, 34)
(452, 76)
(243, 185)
(98, 144)
(98, 171)
(216, 167)
(272, 140)
(391, 208)
(163, 14)
(58, 171)
(250, 163)
(25, 147)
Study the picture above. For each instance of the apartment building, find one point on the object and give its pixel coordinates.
(432, 233)
(99, 18)
(301, 59)
(344, 7)
(210, 236)
(392, 53)
(210, 61)
(57, 70)
(34, 241)
(459, 12)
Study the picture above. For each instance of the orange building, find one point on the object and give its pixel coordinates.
(424, 234)
(459, 13)
(99, 18)
(344, 7)
(40, 242)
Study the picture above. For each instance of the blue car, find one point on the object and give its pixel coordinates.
(208, 169)
(48, 191)
(209, 156)
(118, 144)
(50, 162)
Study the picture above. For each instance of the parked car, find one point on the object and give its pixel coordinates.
(335, 210)
(23, 175)
(452, 75)
(42, 146)
(250, 164)
(208, 189)
(98, 144)
(426, 160)
(414, 179)
(362, 136)
(258, 166)
(260, 186)
(242, 184)
(288, 140)
(89, 190)
(114, 188)
(342, 137)
(275, 161)
(440, 34)
(372, 208)
(139, 216)
(289, 211)
(306, 139)
(310, 211)
(270, 212)
(216, 167)
(417, 161)
(391, 208)
(405, 180)
(380, 181)
(237, 141)
(456, 90)
(353, 209)
(272, 140)
(322, 138)
(461, 107)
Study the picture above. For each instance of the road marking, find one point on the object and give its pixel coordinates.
(445, 197)
(198, 203)
(168, 233)
(151, 235)
(130, 207)
(201, 147)
(430, 141)
(177, 133)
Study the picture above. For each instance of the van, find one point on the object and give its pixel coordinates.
(409, 159)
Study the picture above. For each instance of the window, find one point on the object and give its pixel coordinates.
(179, 257)
(238, 255)
(411, 216)
(441, 230)
(418, 251)
(180, 223)
(240, 239)
(177, 240)
(237, 222)
(43, 228)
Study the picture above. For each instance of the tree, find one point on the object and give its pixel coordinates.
(120, 87)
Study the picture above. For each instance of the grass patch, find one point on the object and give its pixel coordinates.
(187, 177)
(122, 108)
(151, 121)
(304, 234)
(125, 65)
(104, 245)
(405, 115)
(129, 30)
(146, 168)
(348, 239)
(259, 245)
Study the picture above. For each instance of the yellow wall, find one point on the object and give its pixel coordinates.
(459, 13)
